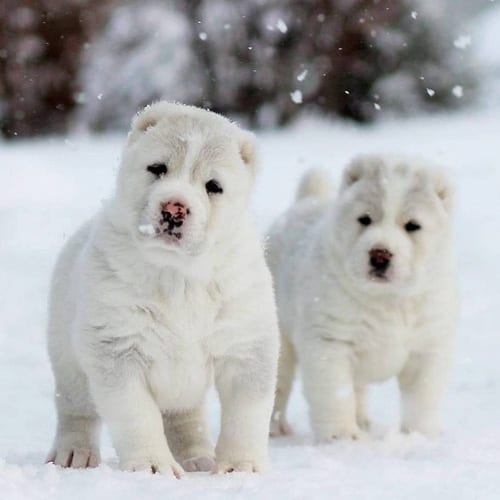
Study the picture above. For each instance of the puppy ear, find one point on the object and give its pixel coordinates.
(444, 189)
(247, 144)
(352, 173)
(148, 117)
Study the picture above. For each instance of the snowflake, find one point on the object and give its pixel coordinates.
(462, 42)
(296, 96)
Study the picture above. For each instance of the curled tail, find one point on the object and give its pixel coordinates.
(315, 183)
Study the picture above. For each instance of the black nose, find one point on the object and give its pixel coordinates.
(380, 259)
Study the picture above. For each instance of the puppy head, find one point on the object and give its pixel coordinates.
(392, 223)
(184, 181)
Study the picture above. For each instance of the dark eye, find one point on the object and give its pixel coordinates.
(158, 169)
(365, 220)
(213, 187)
(412, 226)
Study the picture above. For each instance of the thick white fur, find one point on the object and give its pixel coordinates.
(347, 330)
(139, 326)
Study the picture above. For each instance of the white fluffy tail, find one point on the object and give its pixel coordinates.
(315, 183)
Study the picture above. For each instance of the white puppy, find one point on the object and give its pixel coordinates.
(164, 289)
(366, 291)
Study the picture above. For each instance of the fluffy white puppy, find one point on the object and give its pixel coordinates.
(366, 291)
(164, 289)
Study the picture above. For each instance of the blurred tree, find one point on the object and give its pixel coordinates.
(144, 52)
(351, 57)
(263, 60)
(40, 45)
(266, 60)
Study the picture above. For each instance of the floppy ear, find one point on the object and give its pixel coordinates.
(148, 117)
(362, 166)
(444, 189)
(352, 173)
(247, 143)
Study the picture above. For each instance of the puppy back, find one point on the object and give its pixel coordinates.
(315, 183)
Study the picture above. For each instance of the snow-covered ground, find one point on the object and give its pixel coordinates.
(48, 187)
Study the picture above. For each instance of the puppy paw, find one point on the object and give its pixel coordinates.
(279, 426)
(199, 464)
(336, 432)
(155, 466)
(223, 467)
(364, 423)
(428, 429)
(75, 458)
(349, 434)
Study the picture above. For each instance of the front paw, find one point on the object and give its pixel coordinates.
(153, 465)
(364, 423)
(240, 459)
(330, 431)
(225, 466)
(74, 457)
(431, 429)
(199, 464)
(279, 426)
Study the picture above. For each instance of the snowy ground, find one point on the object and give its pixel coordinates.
(48, 187)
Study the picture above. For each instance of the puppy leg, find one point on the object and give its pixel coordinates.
(76, 443)
(187, 436)
(245, 380)
(135, 422)
(286, 370)
(422, 383)
(362, 407)
(329, 389)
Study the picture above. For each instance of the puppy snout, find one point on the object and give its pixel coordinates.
(174, 211)
(380, 259)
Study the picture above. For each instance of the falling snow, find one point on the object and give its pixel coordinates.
(52, 186)
(458, 91)
(282, 26)
(296, 96)
(462, 42)
(302, 76)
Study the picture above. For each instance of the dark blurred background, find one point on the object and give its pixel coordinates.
(96, 62)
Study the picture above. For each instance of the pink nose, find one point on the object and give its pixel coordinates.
(174, 209)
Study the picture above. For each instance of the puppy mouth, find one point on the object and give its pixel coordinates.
(165, 232)
(169, 233)
(378, 276)
(170, 237)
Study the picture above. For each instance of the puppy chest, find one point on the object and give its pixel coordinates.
(380, 355)
(177, 334)
(379, 364)
(181, 379)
